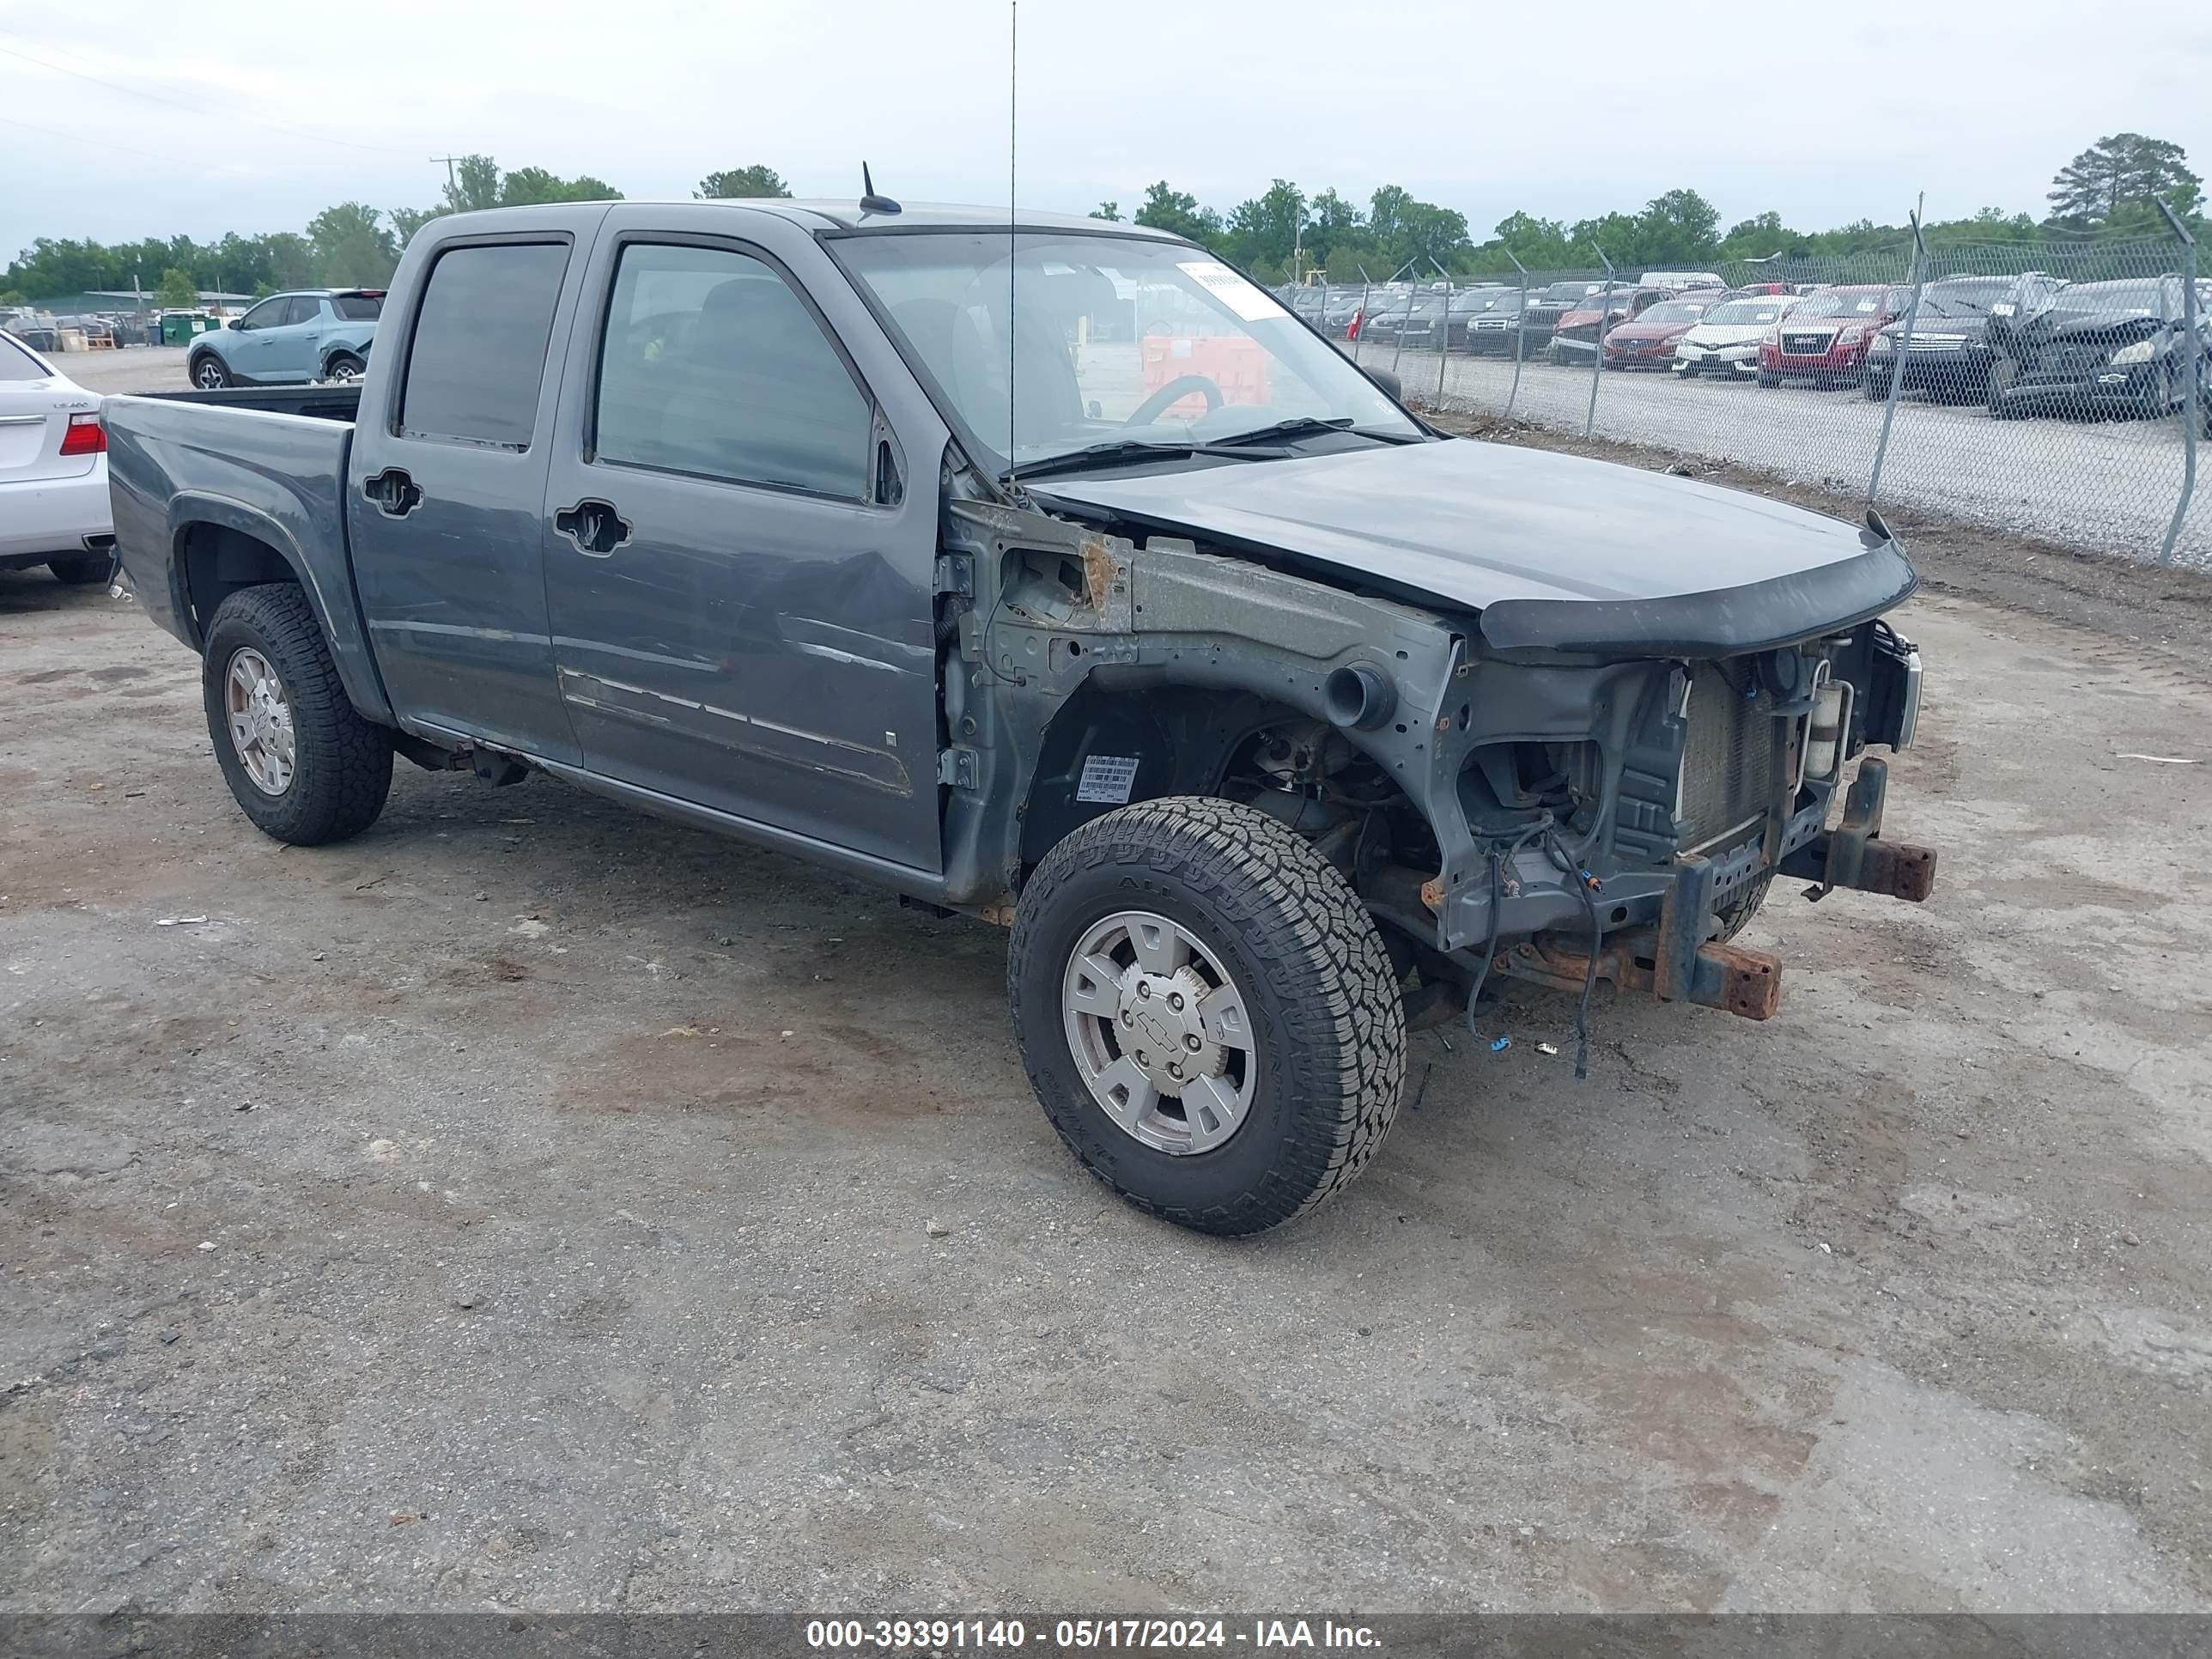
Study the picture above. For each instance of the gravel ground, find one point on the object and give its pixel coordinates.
(2105, 486)
(528, 1205)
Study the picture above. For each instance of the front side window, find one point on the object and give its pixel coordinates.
(1108, 338)
(478, 355)
(711, 365)
(269, 313)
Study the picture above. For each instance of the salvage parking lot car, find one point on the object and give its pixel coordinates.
(2111, 347)
(1265, 714)
(1725, 340)
(53, 469)
(1825, 336)
(1949, 356)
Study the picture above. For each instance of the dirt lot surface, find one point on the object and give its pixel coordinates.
(529, 1204)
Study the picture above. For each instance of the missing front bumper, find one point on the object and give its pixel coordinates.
(1679, 961)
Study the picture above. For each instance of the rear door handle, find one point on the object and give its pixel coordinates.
(594, 527)
(395, 494)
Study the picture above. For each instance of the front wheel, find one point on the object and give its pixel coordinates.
(1207, 1013)
(208, 373)
(1769, 380)
(299, 758)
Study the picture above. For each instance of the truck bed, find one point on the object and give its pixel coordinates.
(321, 402)
(260, 471)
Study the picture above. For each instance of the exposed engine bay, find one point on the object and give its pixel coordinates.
(1563, 817)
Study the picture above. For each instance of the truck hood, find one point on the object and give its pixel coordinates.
(1648, 557)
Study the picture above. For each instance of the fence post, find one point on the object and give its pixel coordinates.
(2192, 418)
(1904, 350)
(1359, 338)
(1443, 346)
(1520, 338)
(1412, 296)
(1597, 346)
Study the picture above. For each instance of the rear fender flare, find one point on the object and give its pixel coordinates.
(336, 614)
(353, 345)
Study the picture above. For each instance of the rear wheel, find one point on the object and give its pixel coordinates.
(208, 373)
(299, 759)
(79, 572)
(1206, 1013)
(344, 367)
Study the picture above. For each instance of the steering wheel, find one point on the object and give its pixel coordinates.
(1175, 389)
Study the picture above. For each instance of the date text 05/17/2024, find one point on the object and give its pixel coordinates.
(1078, 1635)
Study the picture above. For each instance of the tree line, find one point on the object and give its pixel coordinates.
(348, 245)
(2110, 189)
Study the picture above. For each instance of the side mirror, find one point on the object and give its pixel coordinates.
(1389, 383)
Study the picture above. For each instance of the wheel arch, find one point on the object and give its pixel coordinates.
(219, 546)
(1182, 733)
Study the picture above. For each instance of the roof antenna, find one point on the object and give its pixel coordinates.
(1013, 246)
(870, 202)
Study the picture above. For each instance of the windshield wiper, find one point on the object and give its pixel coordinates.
(1103, 455)
(1304, 426)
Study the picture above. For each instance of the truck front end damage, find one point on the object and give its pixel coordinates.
(1559, 792)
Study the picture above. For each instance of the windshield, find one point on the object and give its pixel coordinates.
(1841, 302)
(1674, 311)
(1114, 340)
(2143, 298)
(1961, 299)
(1742, 313)
(1569, 290)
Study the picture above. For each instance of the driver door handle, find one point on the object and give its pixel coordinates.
(395, 494)
(594, 527)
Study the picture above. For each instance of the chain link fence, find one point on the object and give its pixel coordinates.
(2054, 390)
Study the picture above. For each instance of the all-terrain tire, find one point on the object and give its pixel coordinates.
(1735, 915)
(1323, 1003)
(342, 765)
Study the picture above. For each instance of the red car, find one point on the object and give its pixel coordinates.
(1575, 336)
(1826, 336)
(1648, 341)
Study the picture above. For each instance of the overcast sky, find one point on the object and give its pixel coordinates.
(252, 117)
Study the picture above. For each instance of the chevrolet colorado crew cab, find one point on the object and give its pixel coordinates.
(1052, 573)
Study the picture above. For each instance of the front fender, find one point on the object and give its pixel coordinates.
(328, 595)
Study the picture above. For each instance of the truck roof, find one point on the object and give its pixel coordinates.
(846, 213)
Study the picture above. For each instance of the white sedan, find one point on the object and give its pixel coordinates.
(53, 469)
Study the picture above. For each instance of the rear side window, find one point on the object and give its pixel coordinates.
(17, 364)
(358, 307)
(478, 354)
(713, 366)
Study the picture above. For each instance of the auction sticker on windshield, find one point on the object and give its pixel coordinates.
(1232, 290)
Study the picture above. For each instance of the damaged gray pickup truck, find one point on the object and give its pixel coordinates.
(1054, 573)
